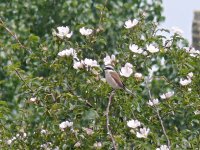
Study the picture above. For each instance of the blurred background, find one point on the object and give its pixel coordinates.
(180, 13)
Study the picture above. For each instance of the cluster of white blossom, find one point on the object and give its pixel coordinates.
(150, 48)
(186, 81)
(86, 63)
(167, 95)
(131, 23)
(65, 124)
(192, 51)
(140, 132)
(127, 70)
(63, 32)
(78, 64)
(68, 52)
(153, 102)
(19, 136)
(135, 48)
(109, 60)
(85, 31)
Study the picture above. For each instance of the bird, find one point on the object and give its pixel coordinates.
(114, 80)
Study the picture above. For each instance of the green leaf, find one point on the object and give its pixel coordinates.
(3, 103)
(90, 115)
(34, 38)
(16, 46)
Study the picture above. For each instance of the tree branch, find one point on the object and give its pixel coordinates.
(11, 33)
(163, 128)
(18, 74)
(158, 114)
(108, 120)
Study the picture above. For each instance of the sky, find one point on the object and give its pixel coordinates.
(180, 13)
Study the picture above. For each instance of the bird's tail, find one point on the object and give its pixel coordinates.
(129, 91)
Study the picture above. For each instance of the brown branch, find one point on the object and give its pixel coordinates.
(158, 114)
(163, 128)
(108, 120)
(18, 74)
(2, 23)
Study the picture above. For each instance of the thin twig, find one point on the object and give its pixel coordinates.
(158, 114)
(18, 74)
(163, 128)
(108, 120)
(2, 23)
(11, 33)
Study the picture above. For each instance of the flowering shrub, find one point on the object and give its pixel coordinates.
(58, 96)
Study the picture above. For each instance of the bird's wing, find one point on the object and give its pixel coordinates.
(117, 79)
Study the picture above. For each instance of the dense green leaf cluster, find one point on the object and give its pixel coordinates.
(40, 90)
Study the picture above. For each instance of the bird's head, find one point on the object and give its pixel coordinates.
(109, 67)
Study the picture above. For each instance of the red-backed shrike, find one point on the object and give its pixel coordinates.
(114, 80)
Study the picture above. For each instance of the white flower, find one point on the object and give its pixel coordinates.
(197, 112)
(85, 31)
(88, 131)
(109, 60)
(133, 123)
(9, 141)
(190, 75)
(127, 70)
(143, 133)
(78, 144)
(63, 32)
(138, 75)
(130, 24)
(153, 102)
(90, 63)
(192, 51)
(152, 49)
(67, 52)
(43, 131)
(185, 82)
(98, 145)
(33, 99)
(78, 64)
(163, 147)
(65, 124)
(134, 48)
(177, 30)
(167, 95)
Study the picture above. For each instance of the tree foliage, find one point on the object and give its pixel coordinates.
(47, 103)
